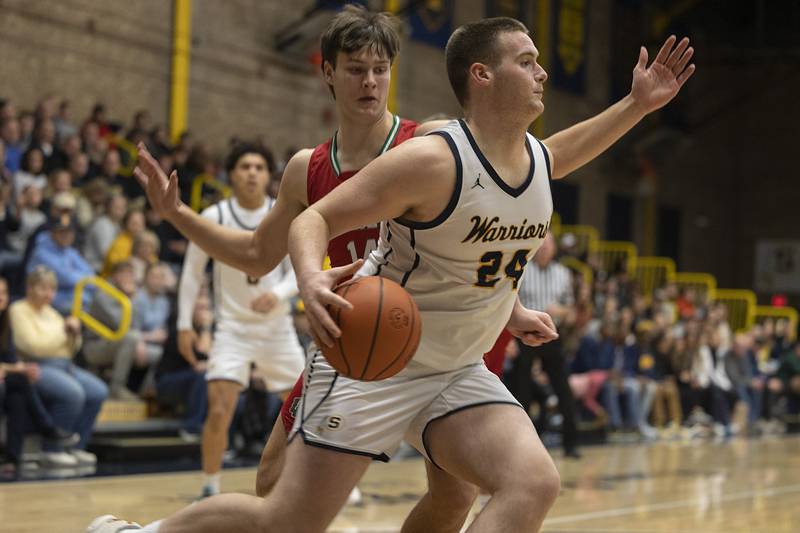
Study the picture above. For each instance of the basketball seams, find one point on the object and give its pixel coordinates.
(375, 330)
(339, 340)
(408, 338)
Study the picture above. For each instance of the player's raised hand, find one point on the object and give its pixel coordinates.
(316, 290)
(655, 85)
(161, 191)
(533, 328)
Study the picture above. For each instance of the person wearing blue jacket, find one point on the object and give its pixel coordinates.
(54, 249)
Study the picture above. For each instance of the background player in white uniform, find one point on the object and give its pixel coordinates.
(493, 69)
(253, 321)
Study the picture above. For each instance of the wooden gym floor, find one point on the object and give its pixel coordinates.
(700, 486)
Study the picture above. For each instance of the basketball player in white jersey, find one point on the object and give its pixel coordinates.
(253, 314)
(468, 251)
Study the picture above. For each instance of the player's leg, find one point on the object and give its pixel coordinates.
(311, 474)
(445, 507)
(222, 398)
(272, 459)
(496, 447)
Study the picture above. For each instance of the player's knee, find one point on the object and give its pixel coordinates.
(544, 483)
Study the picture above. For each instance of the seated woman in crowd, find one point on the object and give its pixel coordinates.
(40, 334)
(24, 410)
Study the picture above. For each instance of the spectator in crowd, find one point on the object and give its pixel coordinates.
(80, 168)
(44, 138)
(711, 376)
(5, 175)
(180, 378)
(10, 134)
(40, 334)
(144, 254)
(120, 250)
(30, 218)
(10, 259)
(742, 370)
(153, 307)
(126, 352)
(103, 230)
(27, 122)
(789, 376)
(31, 172)
(666, 403)
(24, 408)
(63, 122)
(54, 249)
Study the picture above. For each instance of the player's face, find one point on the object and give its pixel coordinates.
(519, 77)
(250, 176)
(361, 82)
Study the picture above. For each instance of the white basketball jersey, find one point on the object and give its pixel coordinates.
(233, 289)
(463, 268)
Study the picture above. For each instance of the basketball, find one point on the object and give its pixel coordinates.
(379, 335)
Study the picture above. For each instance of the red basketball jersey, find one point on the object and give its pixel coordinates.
(324, 175)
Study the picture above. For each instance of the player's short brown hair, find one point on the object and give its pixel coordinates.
(475, 42)
(354, 28)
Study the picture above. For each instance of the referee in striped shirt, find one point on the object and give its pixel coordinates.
(547, 286)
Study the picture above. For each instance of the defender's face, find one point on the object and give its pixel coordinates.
(361, 82)
(519, 78)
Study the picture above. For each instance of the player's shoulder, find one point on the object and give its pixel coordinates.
(214, 211)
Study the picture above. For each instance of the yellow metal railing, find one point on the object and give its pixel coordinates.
(741, 304)
(90, 321)
(653, 273)
(614, 254)
(586, 238)
(790, 314)
(580, 267)
(704, 284)
(197, 201)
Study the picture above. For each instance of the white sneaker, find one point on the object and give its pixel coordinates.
(59, 459)
(111, 524)
(355, 497)
(84, 458)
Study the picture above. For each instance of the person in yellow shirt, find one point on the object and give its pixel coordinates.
(121, 249)
(40, 334)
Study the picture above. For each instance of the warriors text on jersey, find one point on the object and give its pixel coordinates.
(324, 175)
(463, 268)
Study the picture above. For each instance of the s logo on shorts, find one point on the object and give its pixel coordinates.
(334, 422)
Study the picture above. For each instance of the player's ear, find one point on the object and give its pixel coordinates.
(327, 72)
(480, 74)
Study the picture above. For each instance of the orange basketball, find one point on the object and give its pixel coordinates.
(379, 335)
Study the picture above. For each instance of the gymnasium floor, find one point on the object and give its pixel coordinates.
(700, 486)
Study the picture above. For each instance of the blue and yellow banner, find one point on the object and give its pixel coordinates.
(570, 45)
(432, 21)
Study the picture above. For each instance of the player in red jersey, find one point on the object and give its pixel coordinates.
(358, 48)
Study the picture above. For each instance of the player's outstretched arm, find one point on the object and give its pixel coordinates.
(652, 88)
(415, 180)
(254, 252)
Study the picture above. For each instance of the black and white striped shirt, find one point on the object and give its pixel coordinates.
(542, 287)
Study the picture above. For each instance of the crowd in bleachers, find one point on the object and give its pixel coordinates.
(658, 365)
(668, 365)
(71, 208)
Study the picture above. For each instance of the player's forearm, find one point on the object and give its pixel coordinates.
(234, 247)
(308, 240)
(577, 145)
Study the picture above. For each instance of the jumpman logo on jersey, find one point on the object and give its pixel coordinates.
(478, 182)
